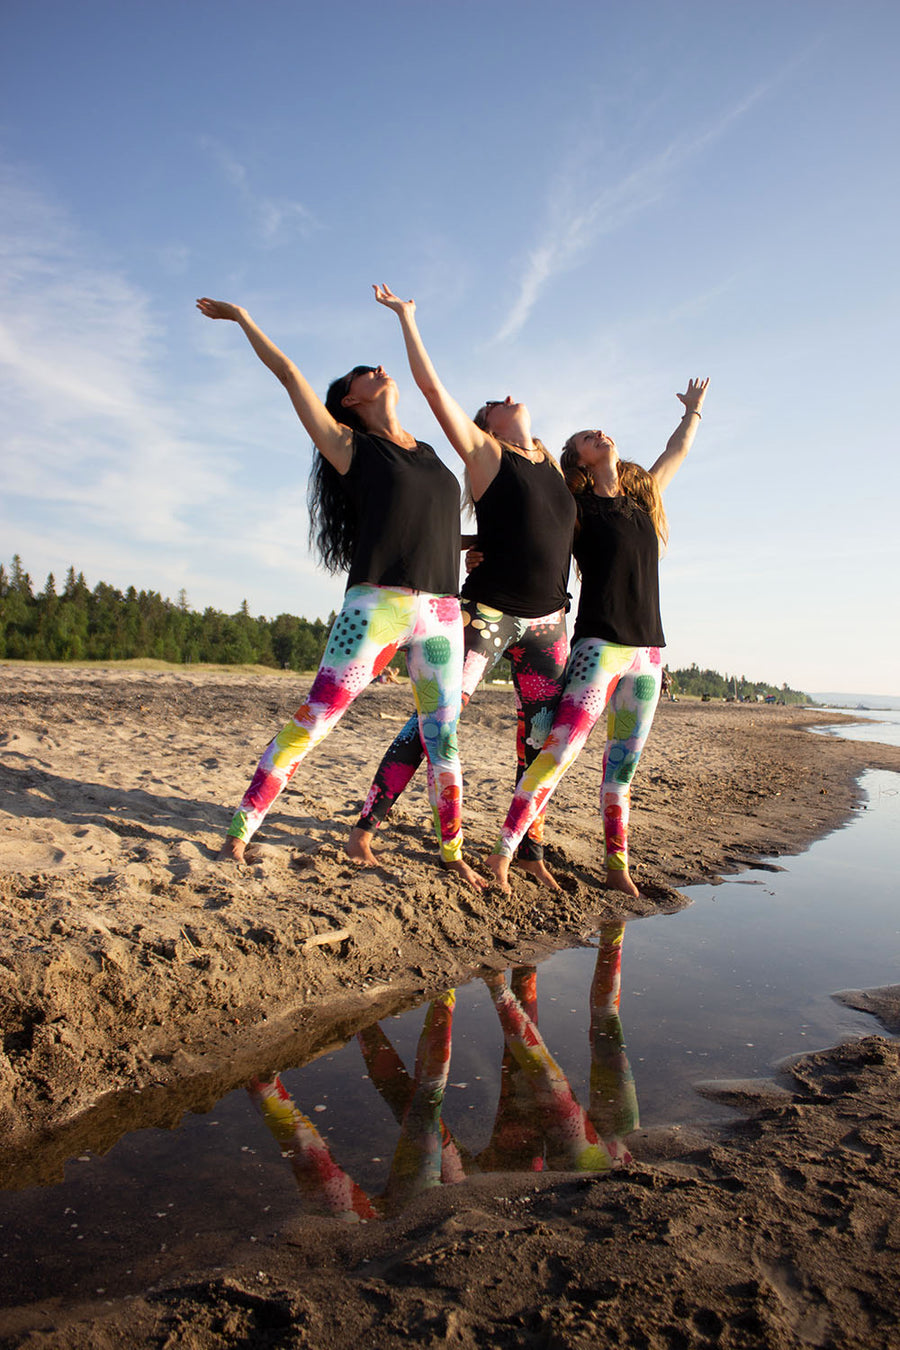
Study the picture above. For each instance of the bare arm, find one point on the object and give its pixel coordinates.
(479, 451)
(331, 438)
(682, 438)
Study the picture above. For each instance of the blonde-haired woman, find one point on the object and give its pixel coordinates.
(615, 663)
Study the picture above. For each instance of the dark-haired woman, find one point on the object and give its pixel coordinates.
(514, 602)
(615, 666)
(384, 506)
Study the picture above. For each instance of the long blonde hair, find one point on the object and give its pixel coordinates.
(634, 482)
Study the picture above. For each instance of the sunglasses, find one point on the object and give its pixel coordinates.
(351, 376)
(481, 416)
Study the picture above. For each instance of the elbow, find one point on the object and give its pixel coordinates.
(287, 373)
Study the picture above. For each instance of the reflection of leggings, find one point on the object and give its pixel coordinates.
(628, 680)
(424, 1142)
(613, 1106)
(373, 624)
(572, 1141)
(517, 1142)
(537, 651)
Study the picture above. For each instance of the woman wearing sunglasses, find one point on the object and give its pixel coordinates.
(615, 665)
(514, 602)
(383, 506)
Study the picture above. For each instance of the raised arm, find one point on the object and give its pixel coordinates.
(479, 451)
(331, 438)
(682, 438)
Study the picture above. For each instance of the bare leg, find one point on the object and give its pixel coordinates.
(359, 847)
(537, 868)
(500, 868)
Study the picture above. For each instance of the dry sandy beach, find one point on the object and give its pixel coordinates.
(130, 959)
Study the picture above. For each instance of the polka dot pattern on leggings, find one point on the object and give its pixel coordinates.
(348, 632)
(438, 651)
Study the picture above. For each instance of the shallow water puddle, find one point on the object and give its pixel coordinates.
(721, 990)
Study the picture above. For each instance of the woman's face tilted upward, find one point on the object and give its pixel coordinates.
(504, 418)
(370, 390)
(595, 449)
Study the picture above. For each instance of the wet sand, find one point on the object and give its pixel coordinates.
(131, 959)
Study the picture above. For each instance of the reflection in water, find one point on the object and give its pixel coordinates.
(539, 1121)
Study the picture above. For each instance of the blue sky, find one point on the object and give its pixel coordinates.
(590, 203)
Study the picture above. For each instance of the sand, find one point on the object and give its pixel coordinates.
(131, 959)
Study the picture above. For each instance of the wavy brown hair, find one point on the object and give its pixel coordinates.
(634, 482)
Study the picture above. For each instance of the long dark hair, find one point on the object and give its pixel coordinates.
(333, 521)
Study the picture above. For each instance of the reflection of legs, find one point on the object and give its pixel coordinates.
(388, 1073)
(516, 1143)
(325, 1187)
(365, 635)
(613, 1106)
(416, 1164)
(538, 660)
(572, 1141)
(629, 718)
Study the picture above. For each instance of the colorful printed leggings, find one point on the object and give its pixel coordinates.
(613, 1106)
(628, 679)
(426, 1154)
(537, 651)
(373, 624)
(573, 1144)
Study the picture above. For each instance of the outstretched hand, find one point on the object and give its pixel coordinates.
(694, 395)
(385, 296)
(219, 309)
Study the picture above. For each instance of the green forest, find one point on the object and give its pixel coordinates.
(710, 684)
(75, 623)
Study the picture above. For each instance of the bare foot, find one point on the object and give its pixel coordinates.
(495, 980)
(500, 868)
(463, 870)
(232, 850)
(359, 847)
(535, 867)
(621, 881)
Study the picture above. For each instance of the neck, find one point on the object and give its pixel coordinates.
(606, 481)
(389, 427)
(520, 433)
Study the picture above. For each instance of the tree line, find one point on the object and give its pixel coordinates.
(105, 624)
(710, 684)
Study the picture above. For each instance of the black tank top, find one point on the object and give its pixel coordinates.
(407, 504)
(617, 550)
(526, 520)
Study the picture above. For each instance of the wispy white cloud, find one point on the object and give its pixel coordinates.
(578, 215)
(277, 219)
(87, 423)
(111, 461)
